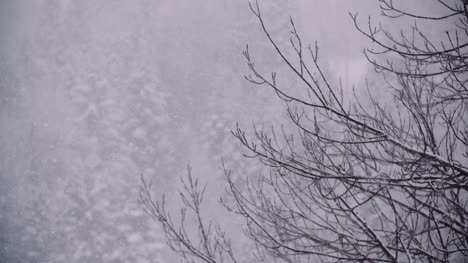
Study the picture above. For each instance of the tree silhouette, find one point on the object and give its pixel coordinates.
(356, 180)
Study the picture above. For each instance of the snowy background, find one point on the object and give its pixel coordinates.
(93, 94)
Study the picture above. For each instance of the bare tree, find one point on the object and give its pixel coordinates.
(379, 183)
(209, 244)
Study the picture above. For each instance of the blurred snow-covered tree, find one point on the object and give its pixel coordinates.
(87, 96)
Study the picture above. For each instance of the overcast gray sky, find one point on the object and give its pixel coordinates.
(95, 93)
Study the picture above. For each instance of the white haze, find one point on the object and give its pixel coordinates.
(94, 94)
